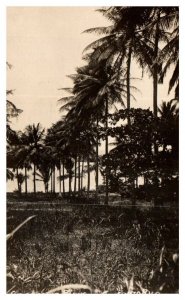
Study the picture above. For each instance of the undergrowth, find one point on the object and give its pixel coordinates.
(92, 251)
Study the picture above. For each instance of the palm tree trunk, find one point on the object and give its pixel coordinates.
(70, 182)
(128, 80)
(60, 190)
(17, 171)
(45, 186)
(97, 158)
(26, 186)
(79, 174)
(155, 79)
(137, 182)
(88, 176)
(34, 178)
(75, 174)
(54, 179)
(51, 180)
(63, 174)
(106, 153)
(155, 68)
(82, 171)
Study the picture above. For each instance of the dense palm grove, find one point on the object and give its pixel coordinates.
(146, 142)
(97, 112)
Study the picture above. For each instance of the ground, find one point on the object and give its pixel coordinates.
(109, 249)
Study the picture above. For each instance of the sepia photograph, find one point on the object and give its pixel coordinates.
(92, 149)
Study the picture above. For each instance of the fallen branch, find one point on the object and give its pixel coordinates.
(10, 235)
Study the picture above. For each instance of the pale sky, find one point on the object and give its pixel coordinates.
(44, 44)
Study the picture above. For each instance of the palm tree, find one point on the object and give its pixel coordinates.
(44, 175)
(135, 32)
(170, 56)
(32, 144)
(123, 41)
(11, 110)
(20, 179)
(161, 22)
(58, 139)
(95, 90)
(12, 137)
(169, 126)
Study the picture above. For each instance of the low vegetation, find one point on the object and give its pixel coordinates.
(93, 250)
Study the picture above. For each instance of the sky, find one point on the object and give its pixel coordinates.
(44, 45)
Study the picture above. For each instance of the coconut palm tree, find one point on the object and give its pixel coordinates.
(57, 138)
(20, 179)
(123, 41)
(169, 125)
(32, 145)
(135, 32)
(170, 57)
(44, 175)
(11, 136)
(11, 110)
(95, 90)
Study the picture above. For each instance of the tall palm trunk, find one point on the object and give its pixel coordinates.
(54, 179)
(106, 154)
(79, 173)
(70, 182)
(17, 173)
(82, 171)
(46, 187)
(63, 174)
(88, 176)
(34, 178)
(155, 68)
(128, 79)
(51, 180)
(75, 174)
(97, 159)
(60, 188)
(26, 185)
(155, 79)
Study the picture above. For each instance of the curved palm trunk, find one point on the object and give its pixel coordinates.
(106, 153)
(26, 185)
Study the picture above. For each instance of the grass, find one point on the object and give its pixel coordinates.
(93, 250)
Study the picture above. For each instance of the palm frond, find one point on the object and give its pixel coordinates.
(99, 30)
